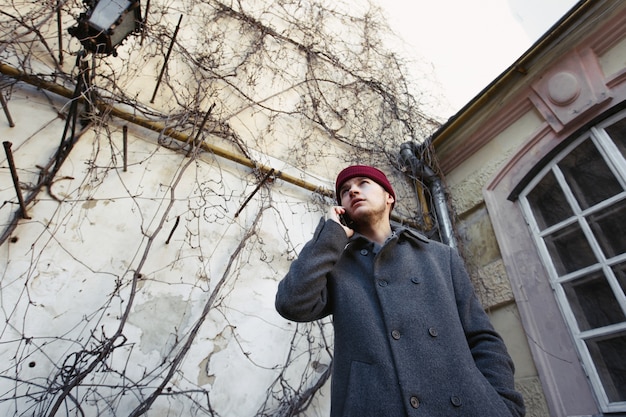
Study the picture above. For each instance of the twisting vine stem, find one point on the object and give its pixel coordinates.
(104, 314)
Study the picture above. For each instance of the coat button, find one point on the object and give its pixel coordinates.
(415, 280)
(456, 401)
(415, 402)
(433, 332)
(382, 283)
(395, 334)
(364, 252)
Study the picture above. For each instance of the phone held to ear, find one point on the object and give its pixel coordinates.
(345, 220)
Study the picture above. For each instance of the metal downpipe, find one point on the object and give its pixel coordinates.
(419, 169)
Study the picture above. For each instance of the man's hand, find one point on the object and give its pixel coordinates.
(334, 214)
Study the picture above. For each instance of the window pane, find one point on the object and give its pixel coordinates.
(569, 249)
(609, 227)
(593, 302)
(609, 359)
(548, 202)
(617, 131)
(588, 175)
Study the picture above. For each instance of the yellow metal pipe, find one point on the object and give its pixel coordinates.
(160, 128)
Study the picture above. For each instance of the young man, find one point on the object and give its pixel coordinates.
(411, 338)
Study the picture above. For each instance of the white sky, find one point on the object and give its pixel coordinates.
(470, 43)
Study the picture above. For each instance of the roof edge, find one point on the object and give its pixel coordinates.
(518, 67)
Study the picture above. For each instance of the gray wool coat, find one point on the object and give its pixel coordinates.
(411, 338)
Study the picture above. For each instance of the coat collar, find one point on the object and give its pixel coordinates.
(397, 231)
(410, 234)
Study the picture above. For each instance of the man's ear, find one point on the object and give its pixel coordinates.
(390, 198)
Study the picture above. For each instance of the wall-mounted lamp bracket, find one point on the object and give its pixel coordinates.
(106, 24)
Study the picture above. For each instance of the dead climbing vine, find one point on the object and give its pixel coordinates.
(163, 211)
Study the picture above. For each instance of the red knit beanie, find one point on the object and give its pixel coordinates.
(372, 173)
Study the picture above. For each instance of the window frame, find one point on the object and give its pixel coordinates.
(567, 389)
(616, 162)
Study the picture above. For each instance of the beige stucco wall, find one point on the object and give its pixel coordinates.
(102, 241)
(613, 61)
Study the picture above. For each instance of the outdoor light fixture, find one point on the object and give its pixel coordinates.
(106, 24)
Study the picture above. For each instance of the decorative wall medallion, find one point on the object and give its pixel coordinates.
(563, 88)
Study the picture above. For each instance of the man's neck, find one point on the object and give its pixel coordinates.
(377, 232)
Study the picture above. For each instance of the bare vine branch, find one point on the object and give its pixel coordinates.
(148, 287)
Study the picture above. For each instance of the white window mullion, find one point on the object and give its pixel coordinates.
(606, 145)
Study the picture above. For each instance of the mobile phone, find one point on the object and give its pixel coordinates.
(346, 220)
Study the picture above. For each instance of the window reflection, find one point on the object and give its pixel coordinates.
(593, 302)
(609, 227)
(569, 249)
(588, 175)
(608, 355)
(548, 202)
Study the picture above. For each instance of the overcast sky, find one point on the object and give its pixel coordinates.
(470, 43)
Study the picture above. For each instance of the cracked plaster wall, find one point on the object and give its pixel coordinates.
(65, 271)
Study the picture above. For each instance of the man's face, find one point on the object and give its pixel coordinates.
(364, 199)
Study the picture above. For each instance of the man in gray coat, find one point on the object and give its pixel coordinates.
(411, 338)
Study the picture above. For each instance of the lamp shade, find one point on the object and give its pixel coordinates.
(103, 28)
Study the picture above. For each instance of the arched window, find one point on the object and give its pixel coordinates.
(576, 211)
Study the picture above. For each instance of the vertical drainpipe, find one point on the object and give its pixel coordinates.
(419, 169)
